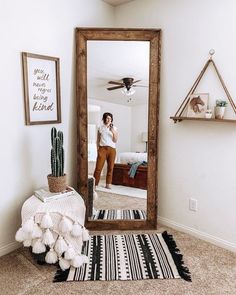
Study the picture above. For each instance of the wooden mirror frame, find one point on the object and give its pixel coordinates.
(154, 37)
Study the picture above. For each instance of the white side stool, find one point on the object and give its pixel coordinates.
(55, 228)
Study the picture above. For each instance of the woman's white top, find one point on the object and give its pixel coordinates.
(106, 136)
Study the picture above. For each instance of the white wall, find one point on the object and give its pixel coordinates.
(196, 159)
(139, 116)
(47, 28)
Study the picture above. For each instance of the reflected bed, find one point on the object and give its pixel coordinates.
(131, 157)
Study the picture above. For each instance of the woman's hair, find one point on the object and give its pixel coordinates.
(105, 115)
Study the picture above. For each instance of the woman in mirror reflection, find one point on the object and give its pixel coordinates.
(106, 146)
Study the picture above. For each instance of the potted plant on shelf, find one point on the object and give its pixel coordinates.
(57, 179)
(220, 108)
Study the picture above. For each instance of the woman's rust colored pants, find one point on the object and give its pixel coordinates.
(105, 153)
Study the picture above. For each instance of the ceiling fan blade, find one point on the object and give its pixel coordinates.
(115, 87)
(140, 86)
(116, 83)
(136, 81)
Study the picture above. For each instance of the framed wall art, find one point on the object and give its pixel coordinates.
(198, 104)
(41, 78)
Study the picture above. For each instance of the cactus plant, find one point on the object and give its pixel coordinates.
(57, 153)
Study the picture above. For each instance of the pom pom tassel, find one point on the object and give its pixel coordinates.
(20, 235)
(51, 257)
(76, 230)
(28, 226)
(85, 259)
(38, 247)
(64, 264)
(37, 232)
(70, 253)
(48, 237)
(60, 245)
(27, 243)
(77, 261)
(46, 221)
(65, 225)
(85, 234)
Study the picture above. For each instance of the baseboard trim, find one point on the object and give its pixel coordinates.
(198, 234)
(9, 248)
(165, 221)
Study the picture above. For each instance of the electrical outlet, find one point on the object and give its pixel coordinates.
(193, 204)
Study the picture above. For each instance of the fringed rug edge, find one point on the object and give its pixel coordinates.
(61, 275)
(177, 257)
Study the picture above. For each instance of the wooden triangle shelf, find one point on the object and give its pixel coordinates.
(178, 117)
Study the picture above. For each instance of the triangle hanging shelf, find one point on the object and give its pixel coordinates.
(178, 117)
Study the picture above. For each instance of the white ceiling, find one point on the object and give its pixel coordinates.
(112, 61)
(116, 2)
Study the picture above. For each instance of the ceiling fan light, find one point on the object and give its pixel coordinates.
(128, 92)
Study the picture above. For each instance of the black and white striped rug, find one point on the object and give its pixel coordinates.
(128, 257)
(119, 214)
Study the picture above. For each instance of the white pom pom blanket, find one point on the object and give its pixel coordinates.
(49, 217)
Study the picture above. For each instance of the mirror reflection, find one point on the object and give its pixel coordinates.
(117, 90)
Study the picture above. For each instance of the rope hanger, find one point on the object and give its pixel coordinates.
(195, 84)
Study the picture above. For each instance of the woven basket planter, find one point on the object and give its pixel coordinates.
(57, 184)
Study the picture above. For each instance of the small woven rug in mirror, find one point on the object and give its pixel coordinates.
(119, 214)
(129, 257)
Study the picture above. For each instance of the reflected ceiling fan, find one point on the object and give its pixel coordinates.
(127, 85)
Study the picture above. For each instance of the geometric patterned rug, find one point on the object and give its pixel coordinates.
(129, 257)
(119, 214)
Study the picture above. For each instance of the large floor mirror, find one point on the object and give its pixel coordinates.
(118, 72)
